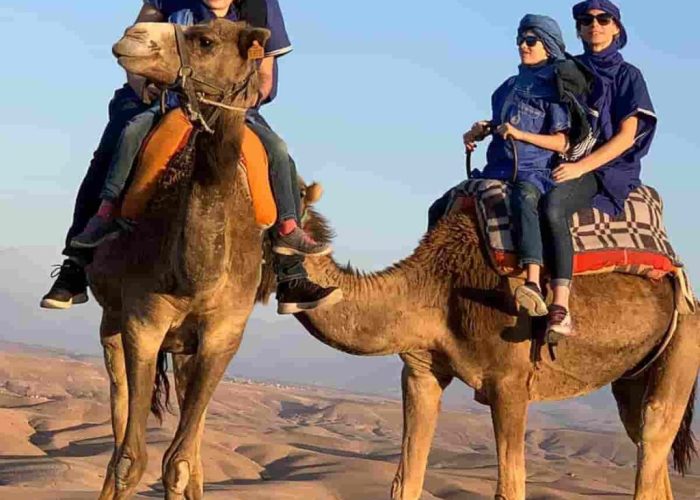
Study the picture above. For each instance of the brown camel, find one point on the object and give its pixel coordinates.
(448, 314)
(185, 280)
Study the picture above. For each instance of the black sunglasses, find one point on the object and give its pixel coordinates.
(587, 19)
(530, 40)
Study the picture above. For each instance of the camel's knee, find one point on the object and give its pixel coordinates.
(176, 476)
(122, 472)
(657, 421)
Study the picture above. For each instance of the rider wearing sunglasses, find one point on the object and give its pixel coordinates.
(528, 109)
(624, 122)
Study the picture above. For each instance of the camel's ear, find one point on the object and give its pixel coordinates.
(313, 193)
(251, 42)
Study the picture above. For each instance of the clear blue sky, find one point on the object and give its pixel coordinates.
(373, 102)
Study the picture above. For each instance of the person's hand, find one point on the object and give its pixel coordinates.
(149, 92)
(478, 132)
(568, 172)
(506, 130)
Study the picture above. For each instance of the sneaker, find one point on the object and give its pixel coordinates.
(69, 288)
(299, 243)
(559, 324)
(529, 297)
(97, 231)
(304, 295)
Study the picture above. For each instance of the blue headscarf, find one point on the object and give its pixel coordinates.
(605, 65)
(606, 6)
(539, 80)
(547, 30)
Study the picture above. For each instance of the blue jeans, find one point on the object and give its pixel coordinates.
(558, 206)
(285, 187)
(524, 202)
(122, 108)
(128, 147)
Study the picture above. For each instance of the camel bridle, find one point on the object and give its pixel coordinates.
(185, 86)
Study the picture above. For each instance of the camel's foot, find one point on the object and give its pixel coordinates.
(176, 479)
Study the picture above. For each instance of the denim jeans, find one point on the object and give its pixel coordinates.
(524, 202)
(285, 187)
(128, 147)
(122, 108)
(558, 206)
(283, 176)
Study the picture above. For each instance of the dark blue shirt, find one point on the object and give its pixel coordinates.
(189, 12)
(629, 96)
(530, 110)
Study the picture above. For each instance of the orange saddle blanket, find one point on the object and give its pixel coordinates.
(167, 139)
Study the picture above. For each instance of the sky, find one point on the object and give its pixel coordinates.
(372, 102)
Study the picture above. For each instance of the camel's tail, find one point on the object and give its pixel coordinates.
(684, 443)
(160, 401)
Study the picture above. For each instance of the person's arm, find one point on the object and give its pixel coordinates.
(148, 14)
(266, 74)
(557, 142)
(615, 147)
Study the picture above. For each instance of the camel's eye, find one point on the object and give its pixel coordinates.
(205, 42)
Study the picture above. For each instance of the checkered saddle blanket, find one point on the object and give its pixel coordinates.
(634, 242)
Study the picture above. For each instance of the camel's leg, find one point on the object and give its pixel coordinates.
(183, 366)
(145, 327)
(665, 401)
(422, 383)
(113, 351)
(509, 402)
(219, 341)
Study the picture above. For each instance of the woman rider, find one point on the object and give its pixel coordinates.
(527, 108)
(624, 120)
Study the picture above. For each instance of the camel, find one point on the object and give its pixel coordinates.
(449, 315)
(185, 280)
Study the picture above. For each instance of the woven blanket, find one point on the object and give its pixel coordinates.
(634, 242)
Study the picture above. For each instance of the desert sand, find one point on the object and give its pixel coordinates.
(277, 441)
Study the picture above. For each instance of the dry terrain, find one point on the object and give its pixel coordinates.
(271, 440)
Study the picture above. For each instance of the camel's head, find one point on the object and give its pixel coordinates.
(218, 52)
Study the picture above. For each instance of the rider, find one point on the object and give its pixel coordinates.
(526, 108)
(131, 119)
(625, 125)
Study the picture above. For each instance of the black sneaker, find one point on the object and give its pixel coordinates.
(299, 243)
(97, 231)
(69, 288)
(303, 295)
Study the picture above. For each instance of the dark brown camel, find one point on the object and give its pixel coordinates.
(448, 314)
(185, 281)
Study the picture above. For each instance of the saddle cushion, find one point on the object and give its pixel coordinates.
(168, 138)
(255, 165)
(634, 242)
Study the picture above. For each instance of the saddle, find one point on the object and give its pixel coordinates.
(635, 242)
(169, 137)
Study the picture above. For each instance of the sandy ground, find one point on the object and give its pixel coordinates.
(272, 441)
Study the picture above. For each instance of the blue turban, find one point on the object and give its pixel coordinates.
(606, 6)
(547, 30)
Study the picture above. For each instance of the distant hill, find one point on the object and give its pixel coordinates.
(286, 441)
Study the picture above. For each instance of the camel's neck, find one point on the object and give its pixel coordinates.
(397, 310)
(217, 221)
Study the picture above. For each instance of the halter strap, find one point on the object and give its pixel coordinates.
(184, 85)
